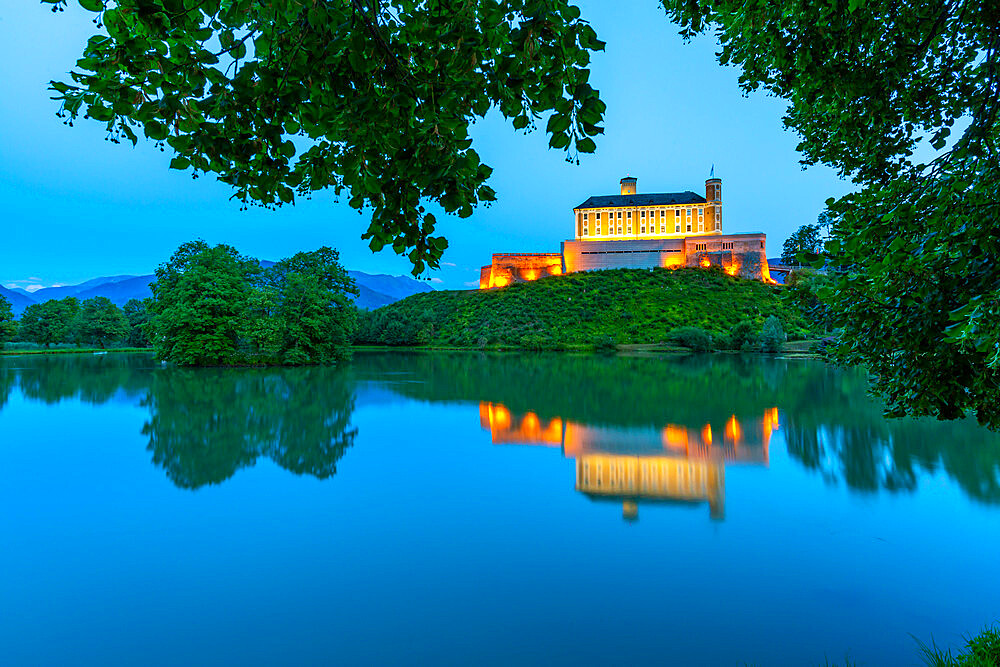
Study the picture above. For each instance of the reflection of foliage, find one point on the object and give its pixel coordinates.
(206, 424)
(829, 421)
(87, 377)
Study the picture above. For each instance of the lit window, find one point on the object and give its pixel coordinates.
(619, 228)
(643, 228)
(630, 226)
(585, 231)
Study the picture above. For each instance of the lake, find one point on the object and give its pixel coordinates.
(487, 509)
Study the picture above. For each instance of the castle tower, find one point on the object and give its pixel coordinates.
(713, 195)
(628, 185)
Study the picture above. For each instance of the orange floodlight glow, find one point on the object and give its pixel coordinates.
(733, 430)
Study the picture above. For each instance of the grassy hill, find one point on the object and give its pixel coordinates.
(627, 306)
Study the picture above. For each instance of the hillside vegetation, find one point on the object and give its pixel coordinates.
(597, 309)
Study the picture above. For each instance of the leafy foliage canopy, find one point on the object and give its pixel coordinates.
(281, 98)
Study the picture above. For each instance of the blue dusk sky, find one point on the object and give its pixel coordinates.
(74, 206)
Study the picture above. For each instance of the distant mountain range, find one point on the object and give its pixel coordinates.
(376, 290)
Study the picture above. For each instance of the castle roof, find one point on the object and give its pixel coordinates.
(653, 199)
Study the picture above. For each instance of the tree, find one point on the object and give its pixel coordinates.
(803, 240)
(201, 299)
(914, 253)
(281, 98)
(213, 306)
(99, 321)
(316, 317)
(49, 322)
(137, 314)
(8, 326)
(772, 337)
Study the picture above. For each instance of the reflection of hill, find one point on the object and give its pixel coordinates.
(631, 464)
(205, 424)
(829, 422)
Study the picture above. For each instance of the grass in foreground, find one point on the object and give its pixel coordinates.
(983, 650)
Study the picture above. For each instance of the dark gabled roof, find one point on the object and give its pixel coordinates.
(660, 199)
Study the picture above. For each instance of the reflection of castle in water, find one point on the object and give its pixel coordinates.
(628, 465)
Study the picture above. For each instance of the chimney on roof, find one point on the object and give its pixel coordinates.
(628, 185)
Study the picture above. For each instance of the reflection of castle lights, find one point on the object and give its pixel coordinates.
(733, 431)
(530, 274)
(500, 281)
(629, 465)
(674, 437)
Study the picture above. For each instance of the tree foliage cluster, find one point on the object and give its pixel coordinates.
(741, 337)
(95, 321)
(875, 90)
(8, 325)
(581, 310)
(281, 98)
(212, 306)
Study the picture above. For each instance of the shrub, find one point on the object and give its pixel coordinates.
(535, 342)
(773, 335)
(742, 335)
(605, 344)
(692, 338)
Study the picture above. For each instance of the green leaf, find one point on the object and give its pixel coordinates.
(180, 162)
(92, 5)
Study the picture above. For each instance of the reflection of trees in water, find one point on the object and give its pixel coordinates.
(205, 424)
(829, 422)
(88, 377)
(8, 378)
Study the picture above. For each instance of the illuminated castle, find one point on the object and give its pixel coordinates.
(630, 465)
(641, 231)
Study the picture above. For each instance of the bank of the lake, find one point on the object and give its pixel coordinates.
(62, 349)
(584, 311)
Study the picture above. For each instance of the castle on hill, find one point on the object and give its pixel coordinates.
(641, 231)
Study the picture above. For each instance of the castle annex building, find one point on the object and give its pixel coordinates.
(641, 231)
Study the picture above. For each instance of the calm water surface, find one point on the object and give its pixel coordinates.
(456, 509)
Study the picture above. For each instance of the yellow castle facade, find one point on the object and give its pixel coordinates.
(636, 230)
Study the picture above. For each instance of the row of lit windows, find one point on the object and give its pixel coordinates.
(682, 218)
(682, 474)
